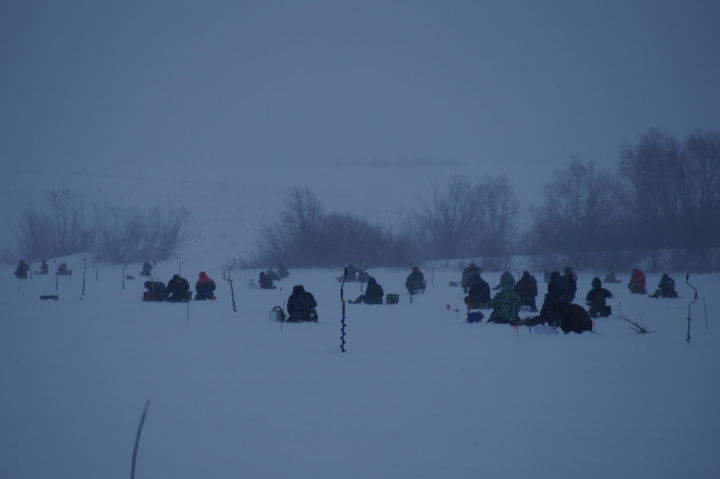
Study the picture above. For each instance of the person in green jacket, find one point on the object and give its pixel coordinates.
(505, 304)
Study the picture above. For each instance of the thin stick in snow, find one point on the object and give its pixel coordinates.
(137, 439)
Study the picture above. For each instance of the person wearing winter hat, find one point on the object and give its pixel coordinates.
(204, 287)
(415, 281)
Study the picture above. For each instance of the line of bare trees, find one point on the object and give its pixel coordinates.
(60, 226)
(661, 207)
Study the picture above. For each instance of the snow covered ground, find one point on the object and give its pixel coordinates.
(419, 394)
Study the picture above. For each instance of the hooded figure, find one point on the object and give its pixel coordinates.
(373, 293)
(568, 285)
(301, 305)
(505, 278)
(637, 282)
(22, 270)
(415, 281)
(505, 304)
(666, 288)
(265, 281)
(156, 291)
(552, 305)
(467, 274)
(178, 289)
(204, 287)
(146, 269)
(595, 299)
(478, 293)
(526, 288)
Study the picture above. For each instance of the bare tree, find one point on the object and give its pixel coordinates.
(469, 220)
(578, 212)
(132, 234)
(57, 227)
(674, 192)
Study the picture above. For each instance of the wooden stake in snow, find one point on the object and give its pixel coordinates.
(695, 296)
(137, 439)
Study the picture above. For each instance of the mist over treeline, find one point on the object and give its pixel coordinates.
(660, 207)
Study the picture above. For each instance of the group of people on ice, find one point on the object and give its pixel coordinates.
(178, 289)
(558, 308)
(21, 272)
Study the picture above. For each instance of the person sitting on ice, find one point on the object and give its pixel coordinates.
(22, 270)
(505, 303)
(273, 274)
(637, 282)
(570, 317)
(568, 284)
(666, 288)
(553, 304)
(610, 276)
(526, 288)
(283, 271)
(177, 289)
(506, 278)
(43, 268)
(204, 287)
(63, 270)
(301, 305)
(467, 274)
(156, 291)
(415, 281)
(373, 293)
(596, 298)
(478, 293)
(265, 281)
(146, 269)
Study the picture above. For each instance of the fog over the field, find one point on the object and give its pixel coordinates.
(319, 93)
(229, 85)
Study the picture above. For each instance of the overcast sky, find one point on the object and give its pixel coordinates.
(232, 84)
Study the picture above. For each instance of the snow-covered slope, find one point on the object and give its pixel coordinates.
(420, 393)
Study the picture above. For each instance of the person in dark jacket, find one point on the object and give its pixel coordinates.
(63, 270)
(156, 291)
(478, 293)
(666, 288)
(265, 281)
(575, 319)
(505, 278)
(596, 298)
(177, 289)
(568, 285)
(467, 274)
(283, 271)
(637, 282)
(22, 270)
(373, 293)
(146, 269)
(415, 282)
(44, 269)
(273, 275)
(204, 287)
(558, 312)
(526, 288)
(301, 305)
(553, 304)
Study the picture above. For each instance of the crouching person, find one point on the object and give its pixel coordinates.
(415, 282)
(373, 293)
(204, 287)
(301, 305)
(595, 299)
(505, 304)
(178, 289)
(666, 288)
(156, 291)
